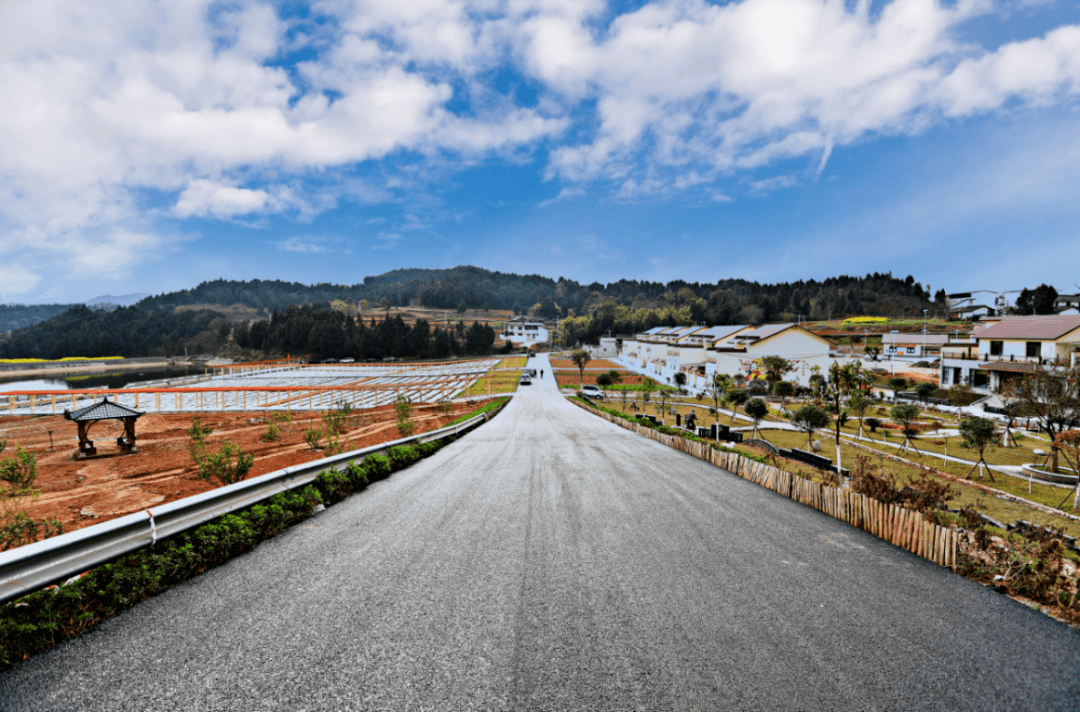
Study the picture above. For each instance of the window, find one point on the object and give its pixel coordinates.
(1033, 349)
(995, 348)
(911, 349)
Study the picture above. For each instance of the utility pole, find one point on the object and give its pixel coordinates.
(924, 333)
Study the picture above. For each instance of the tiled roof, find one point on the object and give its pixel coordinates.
(716, 333)
(1050, 326)
(104, 410)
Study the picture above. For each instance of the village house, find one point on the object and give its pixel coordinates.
(1008, 348)
(742, 351)
(524, 333)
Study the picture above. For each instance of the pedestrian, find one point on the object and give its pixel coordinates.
(541, 373)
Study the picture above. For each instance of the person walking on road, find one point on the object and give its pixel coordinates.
(541, 373)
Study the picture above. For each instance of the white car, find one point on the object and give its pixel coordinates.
(592, 391)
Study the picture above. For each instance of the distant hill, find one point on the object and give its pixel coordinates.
(19, 316)
(123, 300)
(594, 310)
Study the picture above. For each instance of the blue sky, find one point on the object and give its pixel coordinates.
(148, 146)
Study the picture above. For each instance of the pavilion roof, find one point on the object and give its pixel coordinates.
(105, 410)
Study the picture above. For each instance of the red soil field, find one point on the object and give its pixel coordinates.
(595, 363)
(90, 490)
(572, 378)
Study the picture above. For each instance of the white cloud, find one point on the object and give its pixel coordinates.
(311, 245)
(765, 186)
(204, 197)
(106, 105)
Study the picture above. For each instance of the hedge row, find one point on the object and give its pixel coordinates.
(486, 408)
(42, 619)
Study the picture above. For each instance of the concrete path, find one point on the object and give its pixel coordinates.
(553, 561)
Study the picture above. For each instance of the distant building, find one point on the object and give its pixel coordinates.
(524, 333)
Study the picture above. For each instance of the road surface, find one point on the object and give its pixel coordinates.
(551, 560)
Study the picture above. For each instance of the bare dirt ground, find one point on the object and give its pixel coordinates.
(89, 490)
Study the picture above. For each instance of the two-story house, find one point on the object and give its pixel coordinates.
(1010, 347)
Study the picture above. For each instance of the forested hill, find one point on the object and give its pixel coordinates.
(723, 302)
(18, 316)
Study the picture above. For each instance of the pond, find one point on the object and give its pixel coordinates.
(118, 379)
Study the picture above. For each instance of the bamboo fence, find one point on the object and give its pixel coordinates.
(900, 526)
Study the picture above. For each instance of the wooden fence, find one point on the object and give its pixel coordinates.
(903, 527)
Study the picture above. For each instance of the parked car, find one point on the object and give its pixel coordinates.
(525, 380)
(592, 391)
(348, 360)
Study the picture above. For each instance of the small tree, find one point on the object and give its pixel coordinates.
(680, 379)
(735, 398)
(785, 390)
(925, 390)
(897, 384)
(1052, 395)
(906, 414)
(648, 387)
(403, 413)
(603, 380)
(978, 434)
(1068, 443)
(817, 385)
(615, 376)
(858, 404)
(228, 465)
(718, 387)
(775, 367)
(873, 424)
(756, 409)
(581, 358)
(19, 470)
(1011, 395)
(809, 418)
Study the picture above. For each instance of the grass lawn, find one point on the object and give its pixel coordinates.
(504, 379)
(999, 509)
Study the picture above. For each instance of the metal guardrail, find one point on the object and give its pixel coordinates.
(35, 566)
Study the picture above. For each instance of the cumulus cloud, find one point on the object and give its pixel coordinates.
(204, 197)
(133, 108)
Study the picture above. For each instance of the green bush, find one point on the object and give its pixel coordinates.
(402, 456)
(20, 470)
(39, 620)
(377, 466)
(228, 465)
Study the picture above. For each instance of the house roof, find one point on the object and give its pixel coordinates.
(715, 333)
(655, 330)
(917, 339)
(763, 332)
(105, 410)
(1042, 327)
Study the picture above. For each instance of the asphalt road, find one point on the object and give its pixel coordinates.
(549, 561)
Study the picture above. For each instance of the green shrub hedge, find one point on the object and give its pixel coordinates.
(42, 619)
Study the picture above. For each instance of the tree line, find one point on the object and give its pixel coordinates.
(326, 333)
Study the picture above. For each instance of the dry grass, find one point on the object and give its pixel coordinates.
(999, 509)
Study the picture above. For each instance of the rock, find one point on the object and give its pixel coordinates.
(816, 445)
(318, 508)
(87, 512)
(1039, 453)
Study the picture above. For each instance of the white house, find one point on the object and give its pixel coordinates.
(912, 346)
(742, 351)
(524, 333)
(1010, 347)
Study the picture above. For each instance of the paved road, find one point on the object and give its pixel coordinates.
(551, 560)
